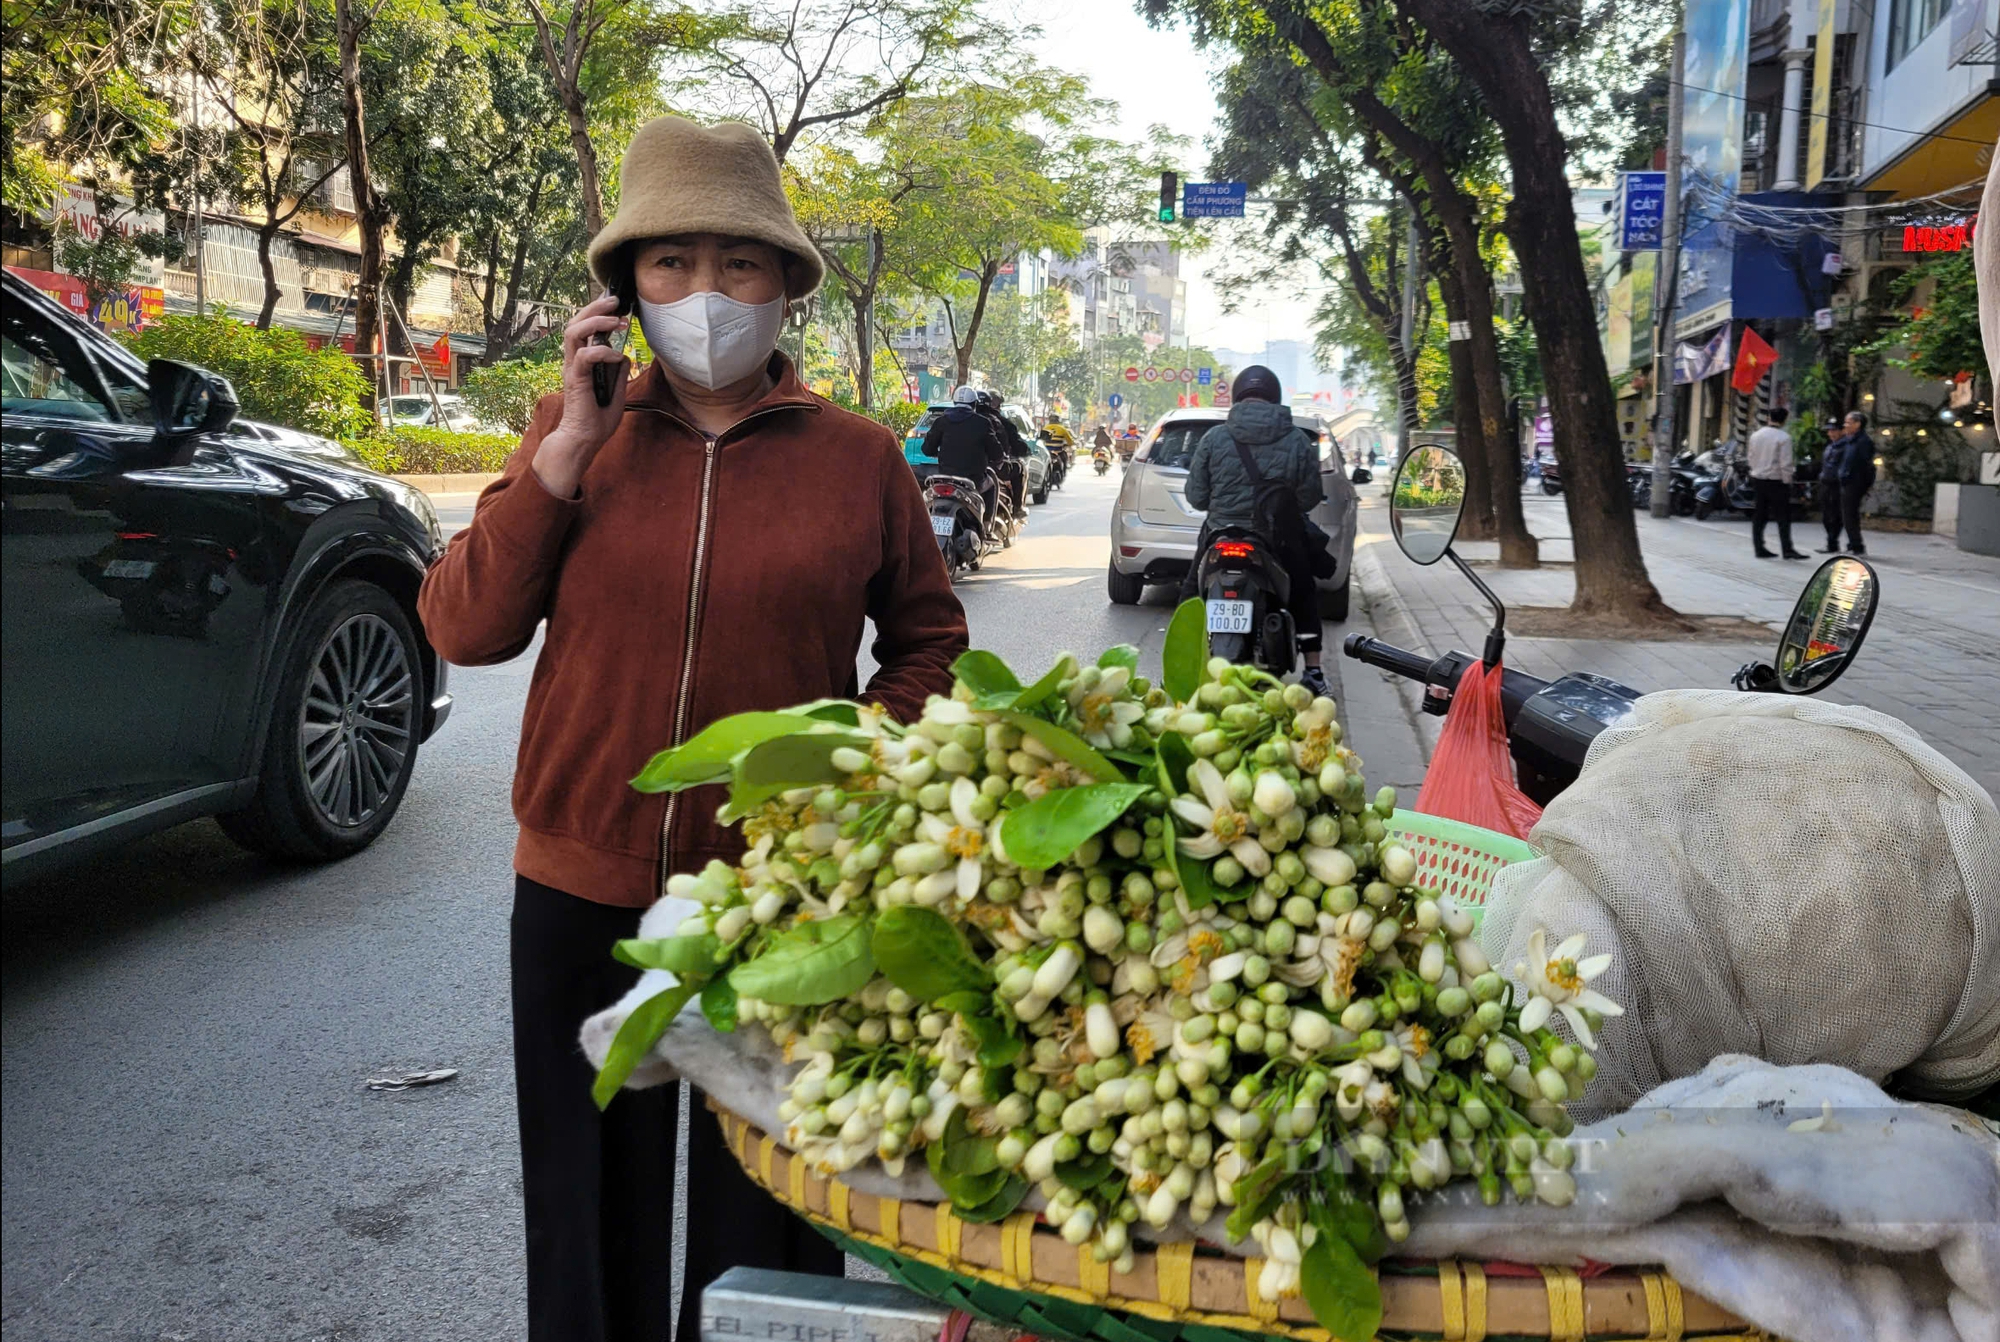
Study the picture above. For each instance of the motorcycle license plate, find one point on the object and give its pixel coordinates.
(129, 568)
(1229, 617)
(943, 524)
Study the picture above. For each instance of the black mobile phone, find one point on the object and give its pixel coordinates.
(602, 374)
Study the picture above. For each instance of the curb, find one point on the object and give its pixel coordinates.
(1393, 623)
(468, 483)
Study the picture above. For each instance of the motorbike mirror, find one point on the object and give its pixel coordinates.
(1827, 626)
(187, 399)
(1425, 505)
(1362, 475)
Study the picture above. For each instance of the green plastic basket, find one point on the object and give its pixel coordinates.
(1457, 859)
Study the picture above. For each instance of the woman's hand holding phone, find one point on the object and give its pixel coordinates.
(587, 344)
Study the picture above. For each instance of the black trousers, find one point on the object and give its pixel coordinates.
(1774, 500)
(598, 1189)
(1840, 505)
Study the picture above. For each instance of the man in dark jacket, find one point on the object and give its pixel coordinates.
(1846, 474)
(965, 445)
(1218, 484)
(1014, 462)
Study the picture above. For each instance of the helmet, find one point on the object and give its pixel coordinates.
(967, 395)
(987, 396)
(1256, 383)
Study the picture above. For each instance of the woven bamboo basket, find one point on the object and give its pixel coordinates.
(1022, 1274)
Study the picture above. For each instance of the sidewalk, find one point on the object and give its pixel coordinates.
(1929, 659)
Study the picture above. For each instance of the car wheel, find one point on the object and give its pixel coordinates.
(1334, 603)
(1042, 494)
(1125, 589)
(343, 736)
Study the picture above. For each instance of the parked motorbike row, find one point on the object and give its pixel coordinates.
(1717, 480)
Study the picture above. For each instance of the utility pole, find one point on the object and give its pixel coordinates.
(1667, 285)
(200, 219)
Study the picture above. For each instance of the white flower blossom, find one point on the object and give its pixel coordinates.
(1561, 982)
(1221, 826)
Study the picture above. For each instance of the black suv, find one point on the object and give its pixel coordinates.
(202, 615)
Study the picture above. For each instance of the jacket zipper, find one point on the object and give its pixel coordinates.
(683, 703)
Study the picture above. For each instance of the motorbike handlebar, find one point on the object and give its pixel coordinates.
(1387, 656)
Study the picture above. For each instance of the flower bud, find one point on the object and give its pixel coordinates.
(1273, 795)
(1329, 866)
(1472, 961)
(1452, 1001)
(1430, 962)
(732, 923)
(1057, 971)
(1361, 1015)
(1311, 1031)
(1398, 864)
(1551, 1083)
(1500, 1059)
(1100, 1030)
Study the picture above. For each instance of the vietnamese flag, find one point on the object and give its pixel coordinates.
(441, 351)
(1753, 359)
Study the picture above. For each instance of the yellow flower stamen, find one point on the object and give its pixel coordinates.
(1230, 825)
(1205, 943)
(1314, 749)
(1419, 1044)
(1347, 960)
(1095, 712)
(1140, 1040)
(1562, 973)
(963, 842)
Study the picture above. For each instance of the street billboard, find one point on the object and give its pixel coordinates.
(1822, 96)
(1713, 100)
(1642, 210)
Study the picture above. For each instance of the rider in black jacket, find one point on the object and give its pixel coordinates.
(966, 445)
(1015, 471)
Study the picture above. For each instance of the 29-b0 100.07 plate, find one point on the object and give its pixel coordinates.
(1229, 617)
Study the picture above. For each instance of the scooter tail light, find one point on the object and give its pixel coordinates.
(1235, 549)
(944, 490)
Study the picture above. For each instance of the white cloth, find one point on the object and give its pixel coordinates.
(1797, 880)
(1770, 454)
(1881, 1223)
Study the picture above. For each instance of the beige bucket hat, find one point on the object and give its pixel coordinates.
(680, 177)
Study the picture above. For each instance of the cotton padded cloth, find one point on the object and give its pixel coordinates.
(1801, 881)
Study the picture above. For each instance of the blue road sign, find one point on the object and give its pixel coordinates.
(1204, 376)
(1642, 211)
(1213, 200)
(1115, 400)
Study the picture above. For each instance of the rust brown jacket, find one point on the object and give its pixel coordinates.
(695, 577)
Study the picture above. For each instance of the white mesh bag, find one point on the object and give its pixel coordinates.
(1800, 881)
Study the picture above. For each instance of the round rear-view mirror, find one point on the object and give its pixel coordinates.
(1425, 505)
(1827, 626)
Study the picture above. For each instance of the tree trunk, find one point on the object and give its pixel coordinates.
(267, 232)
(1476, 522)
(401, 280)
(1495, 51)
(369, 212)
(987, 273)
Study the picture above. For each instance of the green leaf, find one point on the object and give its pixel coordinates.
(1065, 744)
(843, 711)
(1344, 1296)
(998, 1044)
(1343, 1214)
(810, 964)
(1184, 657)
(786, 762)
(1138, 759)
(718, 1003)
(1120, 654)
(925, 955)
(1085, 1173)
(984, 673)
(681, 955)
(1039, 691)
(706, 758)
(1044, 832)
(636, 1037)
(1197, 878)
(1256, 1194)
(998, 1207)
(965, 1003)
(965, 1151)
(1175, 757)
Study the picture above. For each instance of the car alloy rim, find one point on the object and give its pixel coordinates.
(354, 728)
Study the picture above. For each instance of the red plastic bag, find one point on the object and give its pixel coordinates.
(1471, 778)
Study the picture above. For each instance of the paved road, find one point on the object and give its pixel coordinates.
(190, 1151)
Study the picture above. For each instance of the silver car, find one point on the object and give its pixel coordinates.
(1154, 528)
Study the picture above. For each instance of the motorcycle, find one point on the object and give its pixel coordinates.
(1059, 456)
(959, 522)
(1727, 484)
(1682, 482)
(1639, 483)
(1550, 724)
(1244, 589)
(1552, 480)
(1101, 460)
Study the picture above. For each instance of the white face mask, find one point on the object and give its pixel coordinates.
(711, 339)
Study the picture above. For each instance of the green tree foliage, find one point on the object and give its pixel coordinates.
(507, 392)
(1939, 333)
(81, 89)
(277, 377)
(1024, 335)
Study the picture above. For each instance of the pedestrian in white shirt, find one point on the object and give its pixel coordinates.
(1770, 453)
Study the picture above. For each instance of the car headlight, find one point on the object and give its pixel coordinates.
(419, 504)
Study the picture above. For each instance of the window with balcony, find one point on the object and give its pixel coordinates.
(1910, 22)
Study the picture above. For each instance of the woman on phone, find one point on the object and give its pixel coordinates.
(709, 542)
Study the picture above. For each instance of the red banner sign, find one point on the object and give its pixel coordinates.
(130, 310)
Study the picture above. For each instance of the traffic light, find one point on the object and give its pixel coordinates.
(1170, 192)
